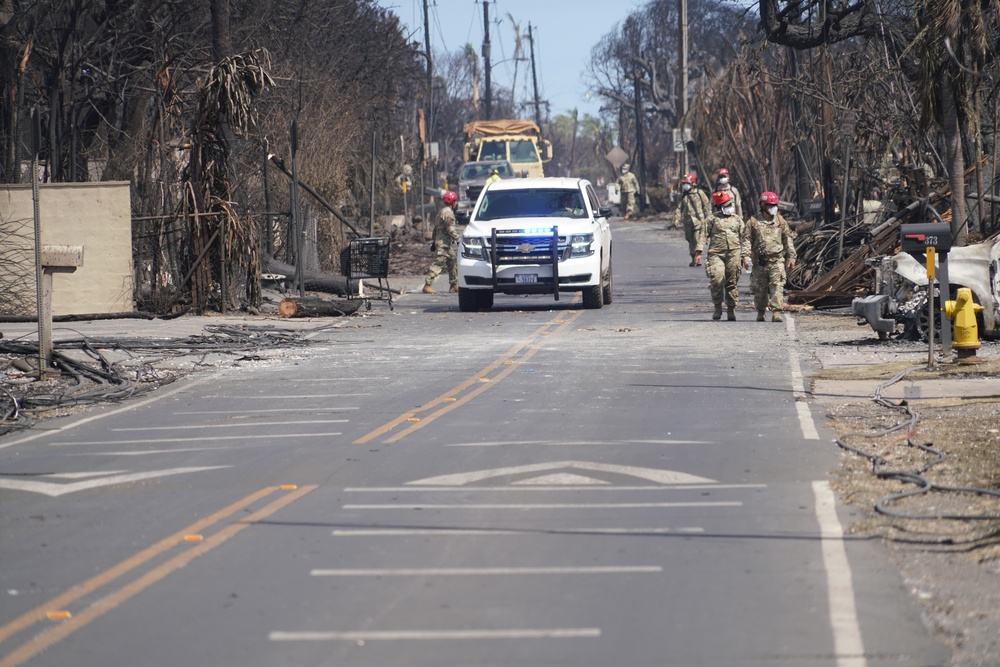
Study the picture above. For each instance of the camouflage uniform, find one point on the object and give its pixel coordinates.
(735, 194)
(445, 235)
(772, 248)
(728, 247)
(692, 211)
(628, 186)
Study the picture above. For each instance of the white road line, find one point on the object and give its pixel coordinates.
(847, 642)
(480, 571)
(56, 490)
(82, 475)
(521, 489)
(109, 413)
(260, 410)
(578, 443)
(332, 380)
(282, 436)
(407, 532)
(197, 426)
(538, 506)
(284, 397)
(147, 452)
(806, 422)
(407, 635)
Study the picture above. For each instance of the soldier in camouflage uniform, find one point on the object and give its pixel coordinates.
(628, 187)
(692, 211)
(722, 184)
(445, 235)
(728, 252)
(772, 248)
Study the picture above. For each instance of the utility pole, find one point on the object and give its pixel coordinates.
(486, 59)
(425, 138)
(682, 86)
(572, 144)
(639, 145)
(430, 74)
(297, 223)
(534, 78)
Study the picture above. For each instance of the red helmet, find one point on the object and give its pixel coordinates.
(769, 198)
(723, 172)
(721, 197)
(449, 197)
(687, 178)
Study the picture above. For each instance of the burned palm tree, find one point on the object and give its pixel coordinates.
(955, 44)
(225, 102)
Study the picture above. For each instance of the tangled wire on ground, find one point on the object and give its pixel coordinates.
(915, 477)
(106, 381)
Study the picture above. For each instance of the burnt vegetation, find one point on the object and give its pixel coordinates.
(849, 110)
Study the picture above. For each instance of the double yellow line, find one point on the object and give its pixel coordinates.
(56, 608)
(472, 386)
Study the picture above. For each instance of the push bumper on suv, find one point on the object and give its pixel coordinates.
(526, 261)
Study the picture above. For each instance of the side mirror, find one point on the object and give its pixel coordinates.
(604, 212)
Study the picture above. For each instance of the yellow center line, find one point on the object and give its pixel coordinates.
(480, 380)
(40, 642)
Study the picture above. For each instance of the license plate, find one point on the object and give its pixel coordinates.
(523, 278)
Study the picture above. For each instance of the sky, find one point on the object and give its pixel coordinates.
(564, 32)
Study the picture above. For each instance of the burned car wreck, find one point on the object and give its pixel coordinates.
(898, 304)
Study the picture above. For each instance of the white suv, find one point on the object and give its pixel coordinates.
(535, 236)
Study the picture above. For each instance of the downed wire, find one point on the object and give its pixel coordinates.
(11, 416)
(915, 477)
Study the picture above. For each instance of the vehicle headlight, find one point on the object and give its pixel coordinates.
(582, 245)
(472, 247)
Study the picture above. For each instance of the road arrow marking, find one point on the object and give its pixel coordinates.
(55, 490)
(650, 474)
(560, 478)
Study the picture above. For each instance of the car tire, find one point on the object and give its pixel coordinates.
(608, 285)
(472, 300)
(593, 296)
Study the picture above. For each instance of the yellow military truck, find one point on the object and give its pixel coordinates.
(517, 141)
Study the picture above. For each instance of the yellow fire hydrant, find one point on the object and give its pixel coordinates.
(963, 311)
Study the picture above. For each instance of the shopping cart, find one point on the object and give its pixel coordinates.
(367, 258)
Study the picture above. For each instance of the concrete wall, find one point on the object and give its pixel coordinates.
(94, 215)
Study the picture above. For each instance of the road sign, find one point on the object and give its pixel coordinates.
(617, 157)
(681, 137)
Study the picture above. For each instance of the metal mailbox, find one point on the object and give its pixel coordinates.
(916, 238)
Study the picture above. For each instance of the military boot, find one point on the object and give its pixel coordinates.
(717, 315)
(429, 290)
(453, 288)
(731, 313)
(760, 315)
(776, 317)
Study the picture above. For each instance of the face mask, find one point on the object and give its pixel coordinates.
(728, 210)
(772, 210)
(686, 187)
(723, 180)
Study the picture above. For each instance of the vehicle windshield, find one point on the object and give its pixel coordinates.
(541, 203)
(476, 171)
(493, 150)
(523, 151)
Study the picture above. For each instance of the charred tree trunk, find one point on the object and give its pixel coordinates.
(305, 306)
(956, 161)
(314, 281)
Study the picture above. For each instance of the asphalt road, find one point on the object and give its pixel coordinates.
(538, 485)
